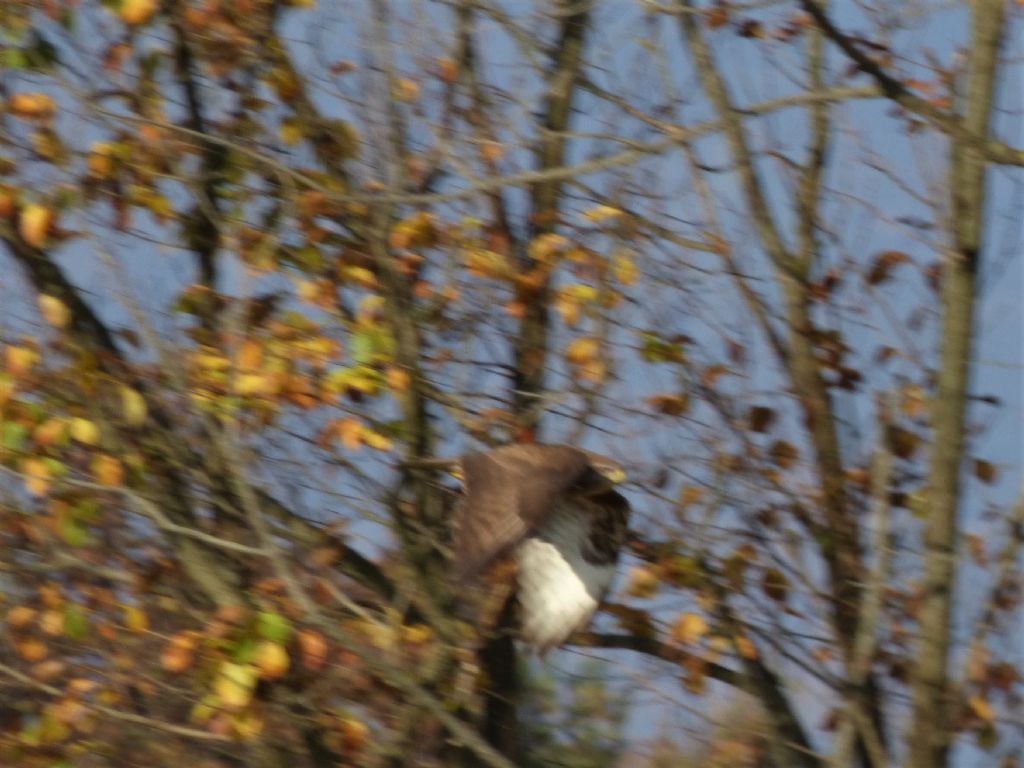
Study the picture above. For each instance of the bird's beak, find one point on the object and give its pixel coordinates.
(615, 476)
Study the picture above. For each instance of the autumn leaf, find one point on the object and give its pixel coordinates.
(54, 311)
(107, 470)
(760, 418)
(37, 475)
(235, 684)
(34, 224)
(350, 432)
(19, 360)
(312, 649)
(377, 441)
(783, 454)
(50, 432)
(84, 431)
(601, 213)
(20, 616)
(137, 11)
(642, 582)
(985, 471)
(669, 404)
(624, 268)
(883, 264)
(355, 734)
(689, 628)
(135, 619)
(133, 406)
(406, 90)
(31, 105)
(179, 653)
(273, 626)
(271, 659)
(31, 649)
(981, 709)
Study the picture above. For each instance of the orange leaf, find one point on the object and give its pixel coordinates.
(350, 432)
(31, 649)
(20, 616)
(271, 659)
(37, 476)
(312, 647)
(107, 470)
(32, 104)
(137, 11)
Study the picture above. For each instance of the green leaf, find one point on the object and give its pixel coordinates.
(12, 435)
(76, 625)
(273, 626)
(72, 531)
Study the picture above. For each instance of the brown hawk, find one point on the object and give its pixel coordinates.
(555, 510)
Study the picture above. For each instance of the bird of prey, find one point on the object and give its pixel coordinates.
(555, 510)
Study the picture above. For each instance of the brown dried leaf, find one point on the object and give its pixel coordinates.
(882, 266)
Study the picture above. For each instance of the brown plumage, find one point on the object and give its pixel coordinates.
(554, 508)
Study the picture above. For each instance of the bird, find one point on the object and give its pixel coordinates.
(554, 510)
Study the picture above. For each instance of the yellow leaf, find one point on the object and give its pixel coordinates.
(34, 224)
(133, 406)
(377, 441)
(360, 276)
(235, 684)
(32, 104)
(37, 476)
(486, 263)
(52, 622)
(689, 628)
(19, 360)
(981, 708)
(100, 162)
(625, 269)
(54, 311)
(642, 582)
(568, 308)
(107, 470)
(251, 384)
(247, 725)
(271, 659)
(135, 619)
(601, 213)
(582, 350)
(137, 11)
(406, 90)
(290, 131)
(547, 247)
(84, 431)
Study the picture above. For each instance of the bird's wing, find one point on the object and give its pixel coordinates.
(508, 493)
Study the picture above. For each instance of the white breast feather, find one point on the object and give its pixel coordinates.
(558, 590)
